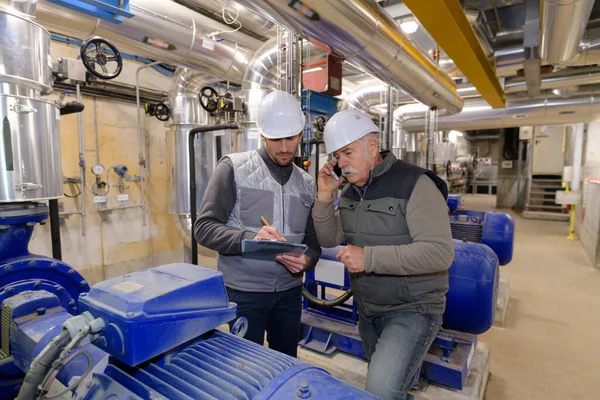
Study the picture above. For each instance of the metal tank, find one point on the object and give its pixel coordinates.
(30, 166)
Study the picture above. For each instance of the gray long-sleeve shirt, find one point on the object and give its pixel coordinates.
(431, 250)
(210, 228)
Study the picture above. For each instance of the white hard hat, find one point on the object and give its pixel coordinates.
(346, 127)
(280, 116)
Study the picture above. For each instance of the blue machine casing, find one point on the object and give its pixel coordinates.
(494, 229)
(149, 312)
(473, 281)
(221, 366)
(454, 202)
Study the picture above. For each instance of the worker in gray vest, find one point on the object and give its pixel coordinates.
(394, 218)
(244, 188)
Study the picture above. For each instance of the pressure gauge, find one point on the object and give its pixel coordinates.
(98, 169)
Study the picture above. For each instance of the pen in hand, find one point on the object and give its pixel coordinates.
(264, 221)
(272, 232)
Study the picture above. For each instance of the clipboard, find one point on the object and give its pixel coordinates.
(267, 250)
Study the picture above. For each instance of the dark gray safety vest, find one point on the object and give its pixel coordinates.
(375, 215)
(285, 207)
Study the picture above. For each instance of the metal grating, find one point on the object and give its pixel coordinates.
(466, 231)
(220, 366)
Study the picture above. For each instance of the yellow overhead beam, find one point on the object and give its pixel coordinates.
(447, 23)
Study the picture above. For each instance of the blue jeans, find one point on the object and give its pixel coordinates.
(395, 345)
(277, 313)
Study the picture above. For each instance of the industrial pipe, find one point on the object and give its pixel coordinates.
(173, 34)
(192, 169)
(363, 33)
(519, 111)
(563, 25)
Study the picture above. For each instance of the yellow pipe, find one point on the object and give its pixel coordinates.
(564, 146)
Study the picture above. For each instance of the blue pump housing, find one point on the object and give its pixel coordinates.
(149, 312)
(473, 280)
(454, 202)
(494, 229)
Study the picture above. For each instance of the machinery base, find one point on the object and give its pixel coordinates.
(447, 362)
(502, 302)
(354, 371)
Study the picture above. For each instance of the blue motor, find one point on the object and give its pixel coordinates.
(473, 285)
(494, 229)
(56, 285)
(151, 334)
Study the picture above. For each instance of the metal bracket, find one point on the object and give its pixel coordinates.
(27, 187)
(108, 10)
(21, 108)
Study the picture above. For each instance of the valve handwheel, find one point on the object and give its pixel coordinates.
(162, 112)
(209, 99)
(98, 52)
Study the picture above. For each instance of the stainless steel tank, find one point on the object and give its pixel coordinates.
(30, 166)
(24, 56)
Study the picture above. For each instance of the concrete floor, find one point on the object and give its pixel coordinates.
(547, 347)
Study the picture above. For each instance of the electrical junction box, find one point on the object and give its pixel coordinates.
(150, 312)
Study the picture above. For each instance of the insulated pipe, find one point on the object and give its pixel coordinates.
(519, 111)
(249, 20)
(366, 96)
(563, 25)
(579, 77)
(173, 34)
(363, 33)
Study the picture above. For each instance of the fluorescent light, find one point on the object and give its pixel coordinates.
(409, 27)
(454, 135)
(313, 69)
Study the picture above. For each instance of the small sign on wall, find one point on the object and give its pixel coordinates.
(507, 164)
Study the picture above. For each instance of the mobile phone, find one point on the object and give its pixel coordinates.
(337, 172)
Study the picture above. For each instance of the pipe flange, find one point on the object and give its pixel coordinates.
(20, 210)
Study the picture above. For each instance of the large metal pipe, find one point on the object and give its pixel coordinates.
(260, 77)
(556, 80)
(519, 111)
(366, 96)
(173, 34)
(563, 25)
(247, 19)
(362, 32)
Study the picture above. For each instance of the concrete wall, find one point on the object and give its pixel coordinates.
(587, 222)
(115, 242)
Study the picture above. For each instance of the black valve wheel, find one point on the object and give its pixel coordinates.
(209, 99)
(320, 121)
(98, 53)
(162, 112)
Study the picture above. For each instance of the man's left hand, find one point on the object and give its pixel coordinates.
(295, 265)
(353, 258)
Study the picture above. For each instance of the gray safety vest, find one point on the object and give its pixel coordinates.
(285, 207)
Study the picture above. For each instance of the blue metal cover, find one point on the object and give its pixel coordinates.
(473, 281)
(454, 202)
(220, 366)
(494, 229)
(148, 313)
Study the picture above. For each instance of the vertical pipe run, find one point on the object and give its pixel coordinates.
(81, 160)
(389, 120)
(55, 229)
(142, 160)
(577, 155)
(192, 171)
(519, 172)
